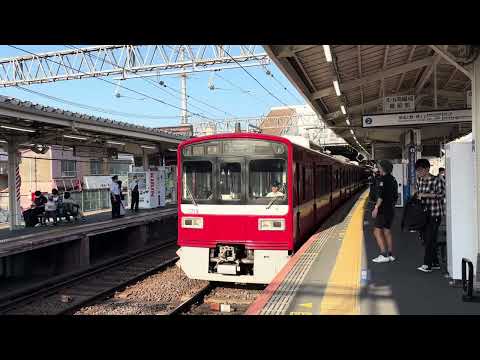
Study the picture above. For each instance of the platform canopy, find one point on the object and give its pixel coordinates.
(31, 124)
(439, 77)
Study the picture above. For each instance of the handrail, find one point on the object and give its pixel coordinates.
(467, 282)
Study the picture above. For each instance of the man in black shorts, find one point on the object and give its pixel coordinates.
(384, 212)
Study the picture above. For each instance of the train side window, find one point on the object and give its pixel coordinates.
(309, 185)
(303, 183)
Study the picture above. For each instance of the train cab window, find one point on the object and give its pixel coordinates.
(230, 181)
(264, 174)
(197, 181)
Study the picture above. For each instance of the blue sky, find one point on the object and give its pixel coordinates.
(94, 92)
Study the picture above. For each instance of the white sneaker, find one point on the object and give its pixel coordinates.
(391, 258)
(424, 268)
(381, 259)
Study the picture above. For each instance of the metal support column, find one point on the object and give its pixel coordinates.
(435, 89)
(476, 142)
(13, 202)
(146, 165)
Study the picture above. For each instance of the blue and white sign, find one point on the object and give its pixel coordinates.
(412, 158)
(416, 118)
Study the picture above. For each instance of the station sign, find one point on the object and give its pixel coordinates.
(417, 118)
(399, 103)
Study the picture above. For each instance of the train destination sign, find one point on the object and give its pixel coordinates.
(417, 118)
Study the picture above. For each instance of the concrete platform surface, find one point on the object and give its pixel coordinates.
(333, 274)
(6, 233)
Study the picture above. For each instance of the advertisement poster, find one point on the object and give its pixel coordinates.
(142, 188)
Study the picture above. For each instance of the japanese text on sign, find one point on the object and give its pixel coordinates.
(400, 103)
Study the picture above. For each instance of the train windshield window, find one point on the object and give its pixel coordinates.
(197, 180)
(230, 182)
(264, 175)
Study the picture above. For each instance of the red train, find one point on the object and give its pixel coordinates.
(246, 203)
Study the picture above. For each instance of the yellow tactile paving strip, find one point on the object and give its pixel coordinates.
(343, 287)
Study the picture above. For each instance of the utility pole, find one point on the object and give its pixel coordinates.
(183, 89)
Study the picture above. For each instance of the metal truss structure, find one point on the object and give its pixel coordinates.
(127, 61)
(281, 125)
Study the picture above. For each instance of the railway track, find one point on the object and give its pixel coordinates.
(217, 298)
(66, 294)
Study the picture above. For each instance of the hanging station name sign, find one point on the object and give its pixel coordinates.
(399, 103)
(417, 118)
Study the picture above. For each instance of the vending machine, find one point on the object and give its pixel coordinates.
(147, 187)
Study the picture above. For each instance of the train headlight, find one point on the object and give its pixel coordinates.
(271, 224)
(192, 222)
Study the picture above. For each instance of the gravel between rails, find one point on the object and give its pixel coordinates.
(155, 295)
(236, 295)
(79, 291)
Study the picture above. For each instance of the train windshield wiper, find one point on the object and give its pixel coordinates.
(191, 195)
(275, 199)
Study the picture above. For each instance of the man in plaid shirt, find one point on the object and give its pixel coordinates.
(430, 190)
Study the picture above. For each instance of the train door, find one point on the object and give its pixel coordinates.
(316, 193)
(340, 183)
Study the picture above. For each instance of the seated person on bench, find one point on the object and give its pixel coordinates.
(70, 207)
(58, 200)
(38, 207)
(51, 210)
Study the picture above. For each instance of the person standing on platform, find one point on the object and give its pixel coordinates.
(430, 190)
(441, 172)
(384, 212)
(135, 195)
(115, 197)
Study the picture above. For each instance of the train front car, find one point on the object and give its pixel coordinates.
(234, 207)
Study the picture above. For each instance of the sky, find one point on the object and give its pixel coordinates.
(226, 97)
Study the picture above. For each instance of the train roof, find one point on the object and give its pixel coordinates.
(243, 135)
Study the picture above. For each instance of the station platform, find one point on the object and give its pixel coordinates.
(25, 239)
(333, 274)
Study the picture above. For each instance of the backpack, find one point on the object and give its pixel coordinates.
(414, 215)
(395, 191)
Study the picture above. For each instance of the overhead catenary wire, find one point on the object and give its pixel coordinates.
(161, 87)
(154, 83)
(242, 90)
(94, 108)
(112, 83)
(270, 74)
(254, 78)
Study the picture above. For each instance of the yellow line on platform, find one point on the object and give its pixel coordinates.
(343, 287)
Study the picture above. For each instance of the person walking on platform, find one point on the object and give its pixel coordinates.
(384, 212)
(135, 195)
(430, 190)
(115, 197)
